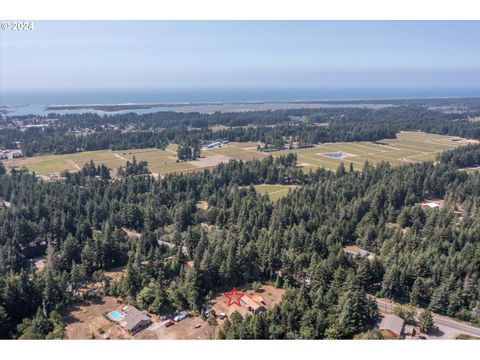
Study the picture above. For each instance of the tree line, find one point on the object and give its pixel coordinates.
(276, 129)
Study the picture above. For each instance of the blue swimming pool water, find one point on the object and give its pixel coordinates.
(116, 315)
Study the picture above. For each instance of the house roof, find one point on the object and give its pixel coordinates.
(188, 266)
(257, 298)
(433, 204)
(133, 317)
(430, 205)
(355, 250)
(248, 300)
(393, 323)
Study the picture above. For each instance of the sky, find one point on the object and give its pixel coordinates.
(69, 55)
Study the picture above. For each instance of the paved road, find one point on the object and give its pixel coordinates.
(457, 325)
(446, 324)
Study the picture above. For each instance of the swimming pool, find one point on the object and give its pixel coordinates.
(115, 315)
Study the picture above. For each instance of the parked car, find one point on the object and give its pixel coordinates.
(169, 323)
(222, 316)
(180, 317)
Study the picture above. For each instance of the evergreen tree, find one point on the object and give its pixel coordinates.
(425, 321)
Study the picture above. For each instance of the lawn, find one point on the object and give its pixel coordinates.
(275, 192)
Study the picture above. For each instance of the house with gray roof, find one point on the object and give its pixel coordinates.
(135, 320)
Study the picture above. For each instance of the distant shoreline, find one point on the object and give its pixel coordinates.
(136, 106)
(140, 106)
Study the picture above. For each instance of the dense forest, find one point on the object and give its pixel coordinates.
(426, 257)
(84, 132)
(464, 157)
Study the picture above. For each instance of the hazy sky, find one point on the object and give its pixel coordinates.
(174, 54)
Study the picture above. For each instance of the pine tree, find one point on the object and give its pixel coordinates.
(358, 313)
(425, 321)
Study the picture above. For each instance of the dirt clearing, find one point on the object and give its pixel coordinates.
(188, 329)
(210, 161)
(271, 295)
(202, 205)
(86, 320)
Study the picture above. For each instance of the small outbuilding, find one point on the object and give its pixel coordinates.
(393, 325)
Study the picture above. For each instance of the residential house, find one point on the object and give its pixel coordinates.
(432, 204)
(135, 320)
(253, 302)
(356, 251)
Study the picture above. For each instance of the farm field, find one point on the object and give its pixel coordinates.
(238, 151)
(159, 161)
(275, 192)
(54, 164)
(407, 147)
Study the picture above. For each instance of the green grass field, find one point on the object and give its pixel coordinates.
(240, 151)
(159, 161)
(275, 192)
(48, 164)
(407, 147)
(51, 164)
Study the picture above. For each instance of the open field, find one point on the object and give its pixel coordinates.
(54, 164)
(239, 151)
(275, 192)
(86, 320)
(407, 147)
(159, 161)
(187, 330)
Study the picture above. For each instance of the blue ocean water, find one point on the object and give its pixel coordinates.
(34, 102)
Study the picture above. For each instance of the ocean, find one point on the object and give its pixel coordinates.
(34, 102)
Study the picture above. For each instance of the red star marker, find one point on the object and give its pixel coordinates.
(234, 295)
